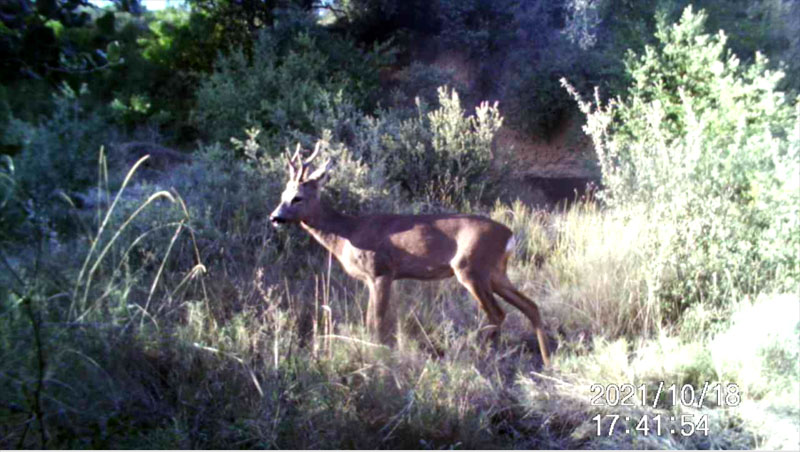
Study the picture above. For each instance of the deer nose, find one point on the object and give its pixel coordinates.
(276, 217)
(276, 220)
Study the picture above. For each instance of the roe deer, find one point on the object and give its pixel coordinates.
(378, 249)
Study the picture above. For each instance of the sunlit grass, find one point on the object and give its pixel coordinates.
(761, 353)
(271, 351)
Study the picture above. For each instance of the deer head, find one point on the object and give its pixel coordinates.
(300, 198)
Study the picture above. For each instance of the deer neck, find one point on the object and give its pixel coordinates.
(330, 228)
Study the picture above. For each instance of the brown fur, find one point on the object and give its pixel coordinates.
(379, 249)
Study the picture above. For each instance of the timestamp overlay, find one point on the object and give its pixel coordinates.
(660, 395)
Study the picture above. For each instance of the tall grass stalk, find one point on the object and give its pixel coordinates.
(161, 267)
(86, 284)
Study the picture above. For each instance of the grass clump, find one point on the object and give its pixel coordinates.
(599, 273)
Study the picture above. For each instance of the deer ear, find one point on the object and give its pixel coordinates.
(320, 175)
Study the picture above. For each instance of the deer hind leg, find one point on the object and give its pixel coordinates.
(380, 315)
(503, 287)
(480, 288)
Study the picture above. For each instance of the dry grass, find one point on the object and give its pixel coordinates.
(193, 349)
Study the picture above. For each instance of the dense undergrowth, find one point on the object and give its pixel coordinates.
(144, 306)
(249, 339)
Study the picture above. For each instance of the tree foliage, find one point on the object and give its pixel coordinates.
(295, 70)
(712, 147)
(372, 21)
(248, 15)
(38, 40)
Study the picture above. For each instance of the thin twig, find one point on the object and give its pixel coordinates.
(41, 364)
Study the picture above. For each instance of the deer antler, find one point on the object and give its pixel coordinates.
(307, 162)
(298, 172)
(290, 161)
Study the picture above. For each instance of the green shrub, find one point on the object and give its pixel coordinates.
(713, 149)
(285, 80)
(462, 149)
(439, 156)
(423, 81)
(60, 152)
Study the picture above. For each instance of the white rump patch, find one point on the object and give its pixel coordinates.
(512, 243)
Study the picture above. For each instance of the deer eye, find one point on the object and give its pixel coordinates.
(296, 199)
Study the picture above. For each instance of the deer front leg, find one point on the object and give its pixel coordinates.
(380, 315)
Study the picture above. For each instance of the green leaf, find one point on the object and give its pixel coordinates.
(114, 52)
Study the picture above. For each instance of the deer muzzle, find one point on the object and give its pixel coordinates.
(278, 217)
(277, 221)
